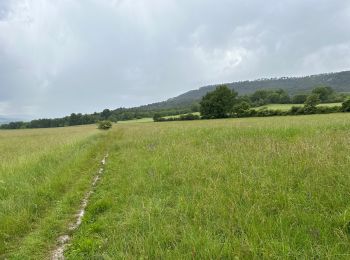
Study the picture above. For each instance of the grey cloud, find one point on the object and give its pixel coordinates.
(58, 57)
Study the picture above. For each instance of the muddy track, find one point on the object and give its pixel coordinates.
(63, 240)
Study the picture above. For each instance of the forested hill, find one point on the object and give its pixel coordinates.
(188, 102)
(339, 81)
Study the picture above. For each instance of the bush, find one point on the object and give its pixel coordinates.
(104, 125)
(190, 117)
(346, 106)
(310, 104)
(241, 109)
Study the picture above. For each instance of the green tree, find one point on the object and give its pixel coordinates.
(156, 117)
(241, 108)
(324, 93)
(195, 107)
(311, 102)
(218, 103)
(106, 113)
(299, 99)
(260, 97)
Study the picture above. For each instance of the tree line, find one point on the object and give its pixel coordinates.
(119, 114)
(224, 102)
(209, 106)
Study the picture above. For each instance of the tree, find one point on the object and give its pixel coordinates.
(106, 113)
(104, 125)
(195, 107)
(346, 106)
(75, 119)
(156, 117)
(311, 102)
(299, 99)
(241, 108)
(324, 93)
(218, 103)
(259, 97)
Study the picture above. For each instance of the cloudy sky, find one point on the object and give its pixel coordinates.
(64, 56)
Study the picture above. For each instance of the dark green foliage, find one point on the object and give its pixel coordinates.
(324, 93)
(263, 97)
(180, 118)
(311, 102)
(104, 125)
(346, 106)
(106, 114)
(296, 110)
(156, 117)
(195, 107)
(241, 109)
(299, 99)
(189, 117)
(218, 103)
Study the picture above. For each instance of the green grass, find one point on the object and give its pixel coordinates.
(142, 120)
(248, 188)
(285, 107)
(44, 174)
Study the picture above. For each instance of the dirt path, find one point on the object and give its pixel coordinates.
(63, 240)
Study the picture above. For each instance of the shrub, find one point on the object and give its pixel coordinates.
(310, 104)
(189, 117)
(346, 106)
(157, 117)
(104, 125)
(241, 109)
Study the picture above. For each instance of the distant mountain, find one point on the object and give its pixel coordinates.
(339, 81)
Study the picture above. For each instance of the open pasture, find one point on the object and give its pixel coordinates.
(247, 188)
(274, 187)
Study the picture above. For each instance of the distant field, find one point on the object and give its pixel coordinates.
(285, 107)
(142, 120)
(247, 188)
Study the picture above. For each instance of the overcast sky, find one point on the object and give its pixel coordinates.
(64, 56)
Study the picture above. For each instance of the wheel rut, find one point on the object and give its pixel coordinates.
(63, 240)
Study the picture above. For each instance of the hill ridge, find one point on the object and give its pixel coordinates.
(340, 81)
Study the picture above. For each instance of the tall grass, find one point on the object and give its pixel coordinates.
(247, 188)
(43, 176)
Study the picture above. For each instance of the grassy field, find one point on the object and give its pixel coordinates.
(285, 107)
(252, 188)
(273, 187)
(43, 175)
(142, 120)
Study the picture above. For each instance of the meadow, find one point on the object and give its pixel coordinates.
(247, 188)
(274, 187)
